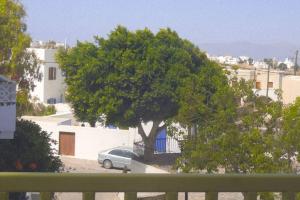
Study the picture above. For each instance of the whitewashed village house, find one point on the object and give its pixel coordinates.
(51, 88)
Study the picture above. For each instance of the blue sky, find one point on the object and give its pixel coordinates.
(201, 21)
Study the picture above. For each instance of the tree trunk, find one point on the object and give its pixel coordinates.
(149, 140)
(149, 150)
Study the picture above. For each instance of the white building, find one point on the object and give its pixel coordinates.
(260, 65)
(244, 59)
(289, 63)
(229, 60)
(51, 88)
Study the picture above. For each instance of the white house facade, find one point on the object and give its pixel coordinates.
(51, 88)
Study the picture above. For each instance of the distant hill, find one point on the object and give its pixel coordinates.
(256, 51)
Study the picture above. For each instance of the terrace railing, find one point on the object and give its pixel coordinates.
(88, 184)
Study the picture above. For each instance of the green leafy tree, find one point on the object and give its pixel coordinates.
(130, 78)
(289, 142)
(25, 106)
(29, 151)
(15, 61)
(282, 66)
(237, 131)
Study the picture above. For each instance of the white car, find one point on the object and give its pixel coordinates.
(119, 157)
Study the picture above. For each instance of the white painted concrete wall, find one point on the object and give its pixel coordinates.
(141, 168)
(263, 92)
(89, 141)
(63, 108)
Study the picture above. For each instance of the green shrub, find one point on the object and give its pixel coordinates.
(26, 107)
(30, 151)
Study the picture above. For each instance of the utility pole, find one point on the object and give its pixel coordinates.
(268, 77)
(296, 65)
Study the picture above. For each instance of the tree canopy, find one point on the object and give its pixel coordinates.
(130, 77)
(282, 66)
(15, 61)
(238, 131)
(29, 151)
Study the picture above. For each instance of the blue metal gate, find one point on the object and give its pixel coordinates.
(161, 140)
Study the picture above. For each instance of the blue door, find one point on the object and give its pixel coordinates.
(161, 140)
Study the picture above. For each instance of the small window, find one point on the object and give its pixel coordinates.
(51, 101)
(128, 154)
(52, 73)
(258, 85)
(117, 152)
(270, 84)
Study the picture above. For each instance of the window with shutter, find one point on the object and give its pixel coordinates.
(52, 73)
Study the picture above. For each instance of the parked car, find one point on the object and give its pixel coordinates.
(119, 157)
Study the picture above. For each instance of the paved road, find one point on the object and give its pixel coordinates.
(74, 165)
(87, 166)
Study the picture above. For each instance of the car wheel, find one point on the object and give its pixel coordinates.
(107, 164)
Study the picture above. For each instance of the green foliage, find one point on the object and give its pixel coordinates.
(130, 77)
(290, 133)
(32, 108)
(15, 61)
(237, 131)
(29, 151)
(282, 66)
(200, 93)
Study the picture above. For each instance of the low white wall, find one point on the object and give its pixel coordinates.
(89, 141)
(141, 168)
